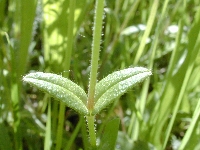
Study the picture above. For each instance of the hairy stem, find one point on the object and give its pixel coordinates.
(91, 128)
(94, 66)
(95, 51)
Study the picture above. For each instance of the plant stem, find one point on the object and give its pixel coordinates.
(94, 66)
(91, 128)
(95, 51)
(47, 139)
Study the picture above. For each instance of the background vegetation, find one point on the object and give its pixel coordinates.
(162, 113)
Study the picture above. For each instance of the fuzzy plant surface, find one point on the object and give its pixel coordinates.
(100, 94)
(106, 90)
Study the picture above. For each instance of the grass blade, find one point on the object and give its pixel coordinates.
(191, 128)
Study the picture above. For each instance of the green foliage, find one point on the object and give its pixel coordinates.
(55, 37)
(60, 88)
(108, 140)
(108, 89)
(116, 84)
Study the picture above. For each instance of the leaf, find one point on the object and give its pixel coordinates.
(5, 141)
(116, 84)
(61, 89)
(109, 137)
(144, 145)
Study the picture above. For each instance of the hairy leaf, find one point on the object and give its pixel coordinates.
(61, 89)
(116, 84)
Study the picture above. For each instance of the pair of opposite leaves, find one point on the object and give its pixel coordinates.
(106, 91)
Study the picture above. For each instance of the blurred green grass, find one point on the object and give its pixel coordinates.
(34, 38)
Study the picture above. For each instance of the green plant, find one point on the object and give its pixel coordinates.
(55, 36)
(100, 94)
